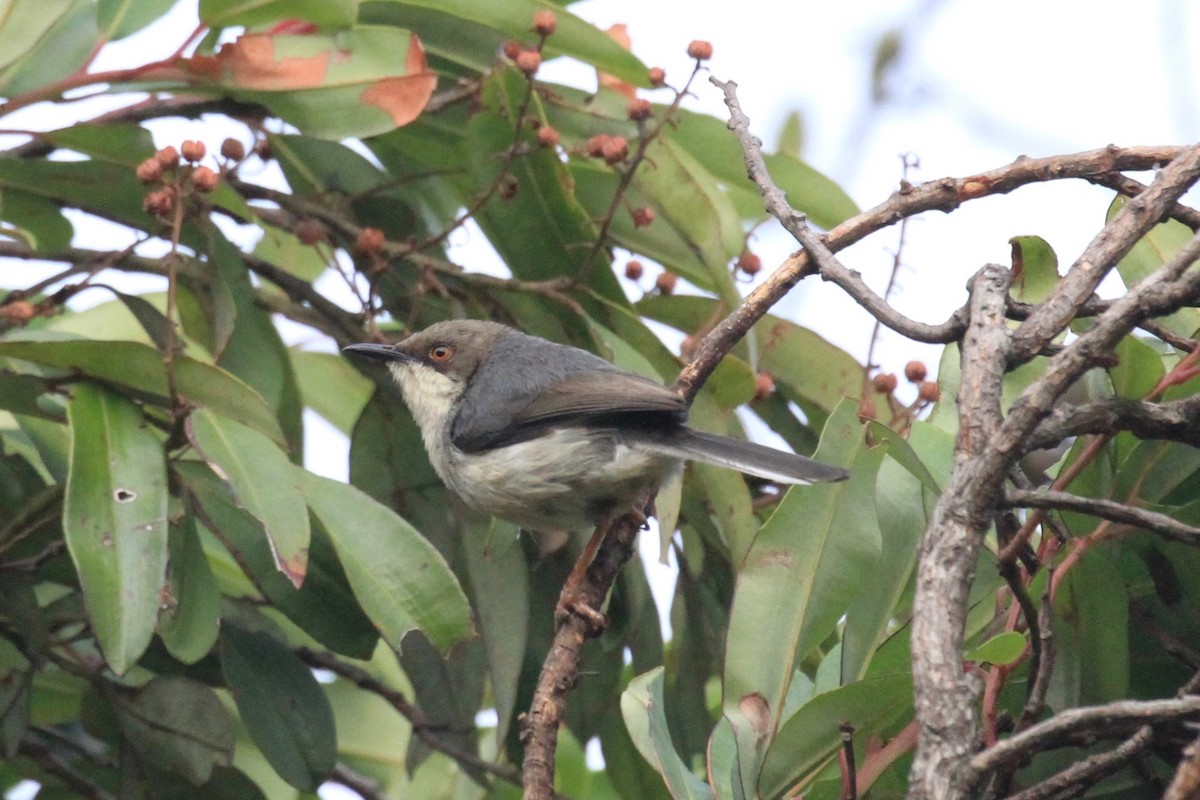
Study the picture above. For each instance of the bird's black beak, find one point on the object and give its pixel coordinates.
(381, 352)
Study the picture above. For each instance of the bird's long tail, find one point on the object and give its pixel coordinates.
(753, 459)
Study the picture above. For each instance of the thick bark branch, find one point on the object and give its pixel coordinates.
(945, 696)
(1174, 420)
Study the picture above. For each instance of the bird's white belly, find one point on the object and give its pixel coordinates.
(568, 479)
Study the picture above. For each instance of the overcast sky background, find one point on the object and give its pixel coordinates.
(975, 86)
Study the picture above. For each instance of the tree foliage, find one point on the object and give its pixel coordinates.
(1002, 596)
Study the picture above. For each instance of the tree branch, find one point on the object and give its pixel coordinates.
(1083, 774)
(1104, 509)
(1061, 729)
(945, 696)
(1174, 420)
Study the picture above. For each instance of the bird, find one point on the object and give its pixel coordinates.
(552, 437)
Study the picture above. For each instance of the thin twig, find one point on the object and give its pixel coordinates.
(1082, 774)
(1111, 510)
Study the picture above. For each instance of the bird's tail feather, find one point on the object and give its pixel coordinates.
(753, 459)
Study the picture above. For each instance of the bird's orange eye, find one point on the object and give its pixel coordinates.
(441, 353)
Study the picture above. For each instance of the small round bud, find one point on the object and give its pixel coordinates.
(544, 22)
(233, 149)
(929, 392)
(639, 109)
(884, 382)
(17, 312)
(204, 179)
(262, 149)
(700, 50)
(512, 49)
(915, 371)
(615, 149)
(309, 231)
(665, 282)
(547, 136)
(149, 171)
(687, 348)
(764, 386)
(508, 187)
(866, 409)
(658, 77)
(192, 150)
(369, 240)
(168, 157)
(160, 202)
(749, 264)
(595, 145)
(634, 269)
(642, 216)
(528, 61)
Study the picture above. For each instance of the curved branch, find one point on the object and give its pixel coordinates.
(1107, 720)
(1174, 420)
(1104, 509)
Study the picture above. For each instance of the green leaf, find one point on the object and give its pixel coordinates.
(59, 48)
(326, 13)
(500, 586)
(802, 571)
(177, 724)
(689, 199)
(120, 18)
(813, 733)
(1138, 370)
(541, 231)
(387, 458)
(254, 350)
(358, 82)
(282, 706)
(331, 387)
(281, 248)
(400, 580)
(140, 367)
(153, 321)
(115, 520)
(1091, 635)
(901, 513)
(1002, 649)
(44, 227)
(1153, 250)
(817, 372)
(1035, 269)
(708, 139)
(189, 624)
(263, 481)
(791, 135)
(642, 707)
(324, 607)
(573, 37)
(123, 144)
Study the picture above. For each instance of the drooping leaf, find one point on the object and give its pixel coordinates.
(1035, 269)
(178, 724)
(323, 606)
(799, 576)
(500, 586)
(115, 520)
(40, 221)
(813, 733)
(281, 704)
(189, 623)
(400, 580)
(642, 706)
(263, 481)
(140, 368)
